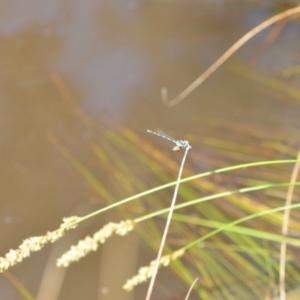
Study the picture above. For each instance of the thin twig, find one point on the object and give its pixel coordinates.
(225, 56)
(284, 230)
(190, 289)
(163, 240)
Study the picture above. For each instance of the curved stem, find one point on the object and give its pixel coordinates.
(225, 56)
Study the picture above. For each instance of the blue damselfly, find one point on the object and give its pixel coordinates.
(180, 144)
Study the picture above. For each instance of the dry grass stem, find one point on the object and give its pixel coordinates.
(36, 243)
(164, 237)
(284, 230)
(145, 273)
(190, 289)
(89, 244)
(225, 56)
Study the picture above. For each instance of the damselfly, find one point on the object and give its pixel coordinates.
(180, 144)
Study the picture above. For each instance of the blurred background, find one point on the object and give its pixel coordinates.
(80, 85)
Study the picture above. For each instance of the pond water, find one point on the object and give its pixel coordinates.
(70, 66)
